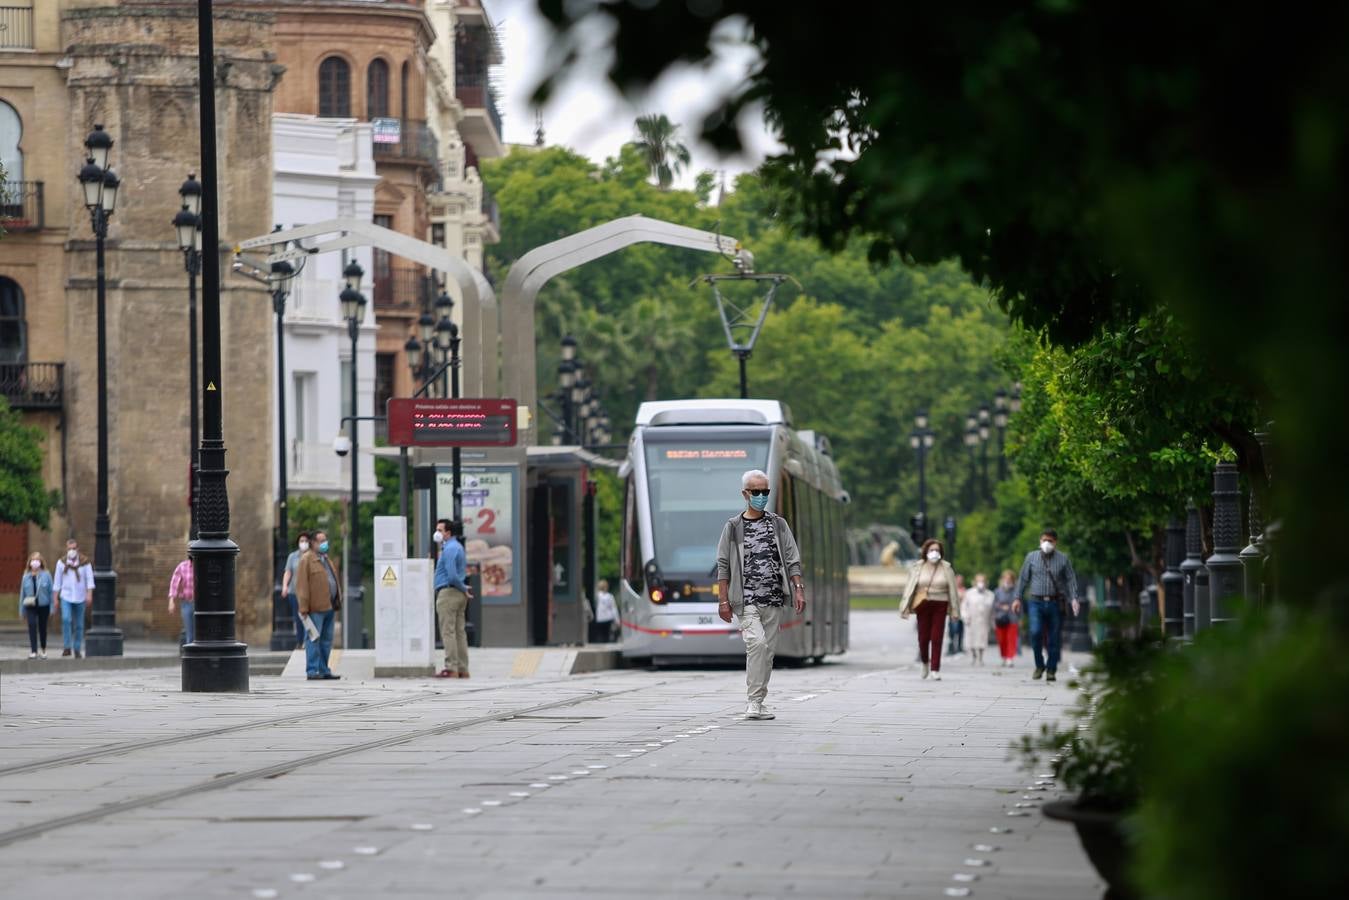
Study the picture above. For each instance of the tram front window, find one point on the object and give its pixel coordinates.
(695, 488)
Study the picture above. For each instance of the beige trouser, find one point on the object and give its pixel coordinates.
(451, 604)
(759, 628)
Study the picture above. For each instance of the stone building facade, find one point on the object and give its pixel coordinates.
(132, 67)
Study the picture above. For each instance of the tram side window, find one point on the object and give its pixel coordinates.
(786, 508)
(632, 567)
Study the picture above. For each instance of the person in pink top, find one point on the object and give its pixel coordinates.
(181, 592)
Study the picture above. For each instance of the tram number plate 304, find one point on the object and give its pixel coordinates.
(704, 620)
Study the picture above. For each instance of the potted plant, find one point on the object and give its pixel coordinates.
(1097, 753)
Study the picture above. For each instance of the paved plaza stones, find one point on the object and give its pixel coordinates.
(870, 783)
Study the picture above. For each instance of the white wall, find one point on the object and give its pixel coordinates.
(324, 169)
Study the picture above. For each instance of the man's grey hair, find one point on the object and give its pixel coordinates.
(750, 476)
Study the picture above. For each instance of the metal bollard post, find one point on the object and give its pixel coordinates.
(1190, 568)
(1173, 581)
(1224, 566)
(1253, 555)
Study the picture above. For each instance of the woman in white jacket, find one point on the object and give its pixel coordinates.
(977, 608)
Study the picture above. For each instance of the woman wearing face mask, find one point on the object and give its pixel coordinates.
(932, 594)
(35, 604)
(976, 607)
(1007, 616)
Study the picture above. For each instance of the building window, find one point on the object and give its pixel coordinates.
(438, 234)
(13, 329)
(403, 91)
(385, 366)
(11, 133)
(334, 88)
(377, 90)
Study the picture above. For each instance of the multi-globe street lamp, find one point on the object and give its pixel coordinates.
(921, 439)
(100, 186)
(971, 443)
(984, 419)
(1000, 404)
(353, 310)
(283, 628)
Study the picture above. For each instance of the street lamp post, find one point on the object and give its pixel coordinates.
(447, 339)
(187, 223)
(100, 186)
(566, 379)
(921, 440)
(283, 628)
(353, 310)
(217, 660)
(971, 442)
(983, 449)
(1000, 404)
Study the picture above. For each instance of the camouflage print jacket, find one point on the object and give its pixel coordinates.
(730, 565)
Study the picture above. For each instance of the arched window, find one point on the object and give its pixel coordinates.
(11, 132)
(13, 330)
(334, 88)
(377, 90)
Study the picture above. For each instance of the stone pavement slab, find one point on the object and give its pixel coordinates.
(870, 783)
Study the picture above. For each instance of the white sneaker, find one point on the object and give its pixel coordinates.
(42, 655)
(763, 712)
(936, 676)
(32, 656)
(925, 670)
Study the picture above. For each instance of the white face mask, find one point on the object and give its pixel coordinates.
(438, 537)
(934, 556)
(35, 565)
(979, 585)
(304, 545)
(1046, 546)
(73, 555)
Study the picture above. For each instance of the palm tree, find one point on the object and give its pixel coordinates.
(658, 140)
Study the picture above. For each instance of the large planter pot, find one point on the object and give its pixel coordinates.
(1102, 835)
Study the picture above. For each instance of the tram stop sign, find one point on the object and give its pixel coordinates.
(465, 422)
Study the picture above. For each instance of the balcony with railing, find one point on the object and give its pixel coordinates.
(404, 140)
(16, 28)
(33, 385)
(21, 206)
(403, 288)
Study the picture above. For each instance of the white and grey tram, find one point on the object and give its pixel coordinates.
(682, 482)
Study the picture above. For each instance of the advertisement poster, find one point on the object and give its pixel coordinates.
(489, 526)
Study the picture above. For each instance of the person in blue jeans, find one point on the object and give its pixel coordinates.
(1049, 574)
(35, 604)
(320, 595)
(74, 584)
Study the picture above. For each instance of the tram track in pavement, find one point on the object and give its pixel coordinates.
(221, 782)
(125, 747)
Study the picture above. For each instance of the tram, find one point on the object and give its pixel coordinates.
(682, 482)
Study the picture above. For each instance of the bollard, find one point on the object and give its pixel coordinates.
(1190, 568)
(1149, 615)
(1253, 555)
(1224, 566)
(1173, 581)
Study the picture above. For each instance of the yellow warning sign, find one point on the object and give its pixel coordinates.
(210, 385)
(389, 578)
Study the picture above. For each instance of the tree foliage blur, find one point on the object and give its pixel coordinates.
(658, 141)
(1090, 161)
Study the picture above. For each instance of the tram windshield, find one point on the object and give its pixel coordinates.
(695, 488)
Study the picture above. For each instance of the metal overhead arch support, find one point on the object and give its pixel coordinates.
(478, 302)
(537, 267)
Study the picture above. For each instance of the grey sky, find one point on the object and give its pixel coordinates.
(588, 115)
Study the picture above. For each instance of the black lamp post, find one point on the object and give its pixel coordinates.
(566, 379)
(921, 440)
(353, 310)
(984, 418)
(447, 340)
(283, 628)
(187, 224)
(971, 442)
(1000, 422)
(100, 186)
(217, 660)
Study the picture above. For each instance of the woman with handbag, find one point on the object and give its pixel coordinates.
(35, 604)
(931, 593)
(1006, 616)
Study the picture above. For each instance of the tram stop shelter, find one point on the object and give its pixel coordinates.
(537, 572)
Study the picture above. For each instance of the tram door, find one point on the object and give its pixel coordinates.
(540, 564)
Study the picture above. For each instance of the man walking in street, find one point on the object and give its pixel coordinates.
(1049, 575)
(452, 598)
(758, 566)
(320, 596)
(75, 584)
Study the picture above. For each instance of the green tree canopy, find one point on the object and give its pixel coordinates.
(24, 497)
(658, 142)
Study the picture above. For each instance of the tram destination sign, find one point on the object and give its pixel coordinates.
(466, 422)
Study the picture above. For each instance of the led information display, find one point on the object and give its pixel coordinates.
(466, 422)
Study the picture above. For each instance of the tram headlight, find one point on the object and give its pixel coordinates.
(657, 595)
(655, 582)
